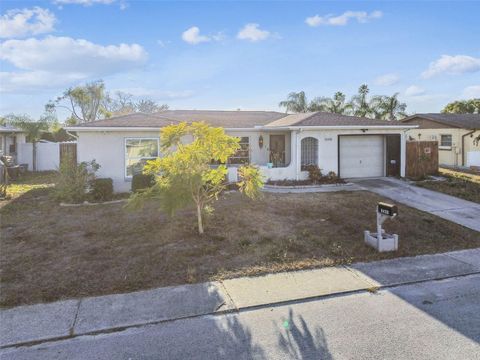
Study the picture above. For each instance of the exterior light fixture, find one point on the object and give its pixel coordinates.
(260, 141)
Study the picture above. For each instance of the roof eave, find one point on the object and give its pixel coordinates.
(343, 127)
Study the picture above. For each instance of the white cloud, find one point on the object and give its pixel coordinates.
(452, 64)
(54, 60)
(24, 22)
(192, 36)
(414, 90)
(252, 32)
(341, 20)
(471, 92)
(387, 80)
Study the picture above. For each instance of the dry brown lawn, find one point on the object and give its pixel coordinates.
(50, 252)
(460, 184)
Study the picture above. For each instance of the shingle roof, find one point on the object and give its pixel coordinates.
(130, 120)
(290, 120)
(233, 119)
(463, 121)
(330, 119)
(9, 129)
(226, 119)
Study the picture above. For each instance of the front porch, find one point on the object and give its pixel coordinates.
(271, 151)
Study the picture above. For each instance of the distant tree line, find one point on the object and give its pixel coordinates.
(90, 102)
(377, 107)
(471, 106)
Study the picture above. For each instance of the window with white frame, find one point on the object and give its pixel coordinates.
(242, 156)
(446, 140)
(137, 152)
(309, 152)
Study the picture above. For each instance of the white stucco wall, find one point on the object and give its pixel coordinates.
(328, 147)
(108, 149)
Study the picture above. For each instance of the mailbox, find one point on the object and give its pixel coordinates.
(381, 240)
(387, 209)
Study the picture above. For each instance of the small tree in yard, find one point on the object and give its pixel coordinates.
(185, 174)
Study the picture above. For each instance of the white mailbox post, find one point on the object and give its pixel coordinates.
(381, 240)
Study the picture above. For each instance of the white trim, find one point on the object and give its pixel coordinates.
(333, 127)
(112, 128)
(259, 127)
(125, 152)
(249, 152)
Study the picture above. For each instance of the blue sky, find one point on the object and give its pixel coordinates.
(247, 55)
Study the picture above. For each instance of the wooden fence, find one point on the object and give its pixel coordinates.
(422, 158)
(68, 153)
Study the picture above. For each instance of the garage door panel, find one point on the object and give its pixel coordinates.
(362, 156)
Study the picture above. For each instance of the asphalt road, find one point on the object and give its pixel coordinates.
(430, 320)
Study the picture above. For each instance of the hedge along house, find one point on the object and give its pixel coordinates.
(282, 145)
(455, 134)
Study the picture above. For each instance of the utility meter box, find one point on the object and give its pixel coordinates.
(380, 240)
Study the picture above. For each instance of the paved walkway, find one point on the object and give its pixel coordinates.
(448, 207)
(27, 325)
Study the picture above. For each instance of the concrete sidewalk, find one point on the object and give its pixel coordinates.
(463, 212)
(67, 319)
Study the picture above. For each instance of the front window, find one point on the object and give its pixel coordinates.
(446, 140)
(309, 151)
(137, 152)
(242, 156)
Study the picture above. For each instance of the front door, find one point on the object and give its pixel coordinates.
(393, 155)
(277, 150)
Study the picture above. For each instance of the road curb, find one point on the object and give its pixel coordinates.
(462, 263)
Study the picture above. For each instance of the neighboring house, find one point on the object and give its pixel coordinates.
(10, 138)
(281, 144)
(455, 134)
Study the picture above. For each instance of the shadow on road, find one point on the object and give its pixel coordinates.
(299, 342)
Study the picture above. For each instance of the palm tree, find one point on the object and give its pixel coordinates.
(359, 102)
(388, 107)
(336, 105)
(33, 131)
(296, 103)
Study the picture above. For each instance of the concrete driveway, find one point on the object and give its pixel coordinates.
(448, 207)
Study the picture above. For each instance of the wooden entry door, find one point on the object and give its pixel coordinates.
(277, 150)
(393, 155)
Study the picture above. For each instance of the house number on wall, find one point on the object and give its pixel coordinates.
(328, 139)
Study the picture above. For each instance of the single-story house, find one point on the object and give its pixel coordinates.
(280, 144)
(455, 134)
(10, 138)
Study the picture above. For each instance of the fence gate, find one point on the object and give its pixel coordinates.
(422, 158)
(68, 152)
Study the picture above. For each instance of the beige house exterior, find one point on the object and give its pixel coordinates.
(455, 134)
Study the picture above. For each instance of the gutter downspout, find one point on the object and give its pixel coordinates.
(463, 145)
(69, 133)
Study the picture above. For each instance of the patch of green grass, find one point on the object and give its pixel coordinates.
(31, 181)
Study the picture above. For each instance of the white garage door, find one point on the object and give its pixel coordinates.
(361, 156)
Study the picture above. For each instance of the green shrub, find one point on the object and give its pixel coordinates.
(73, 180)
(142, 181)
(102, 189)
